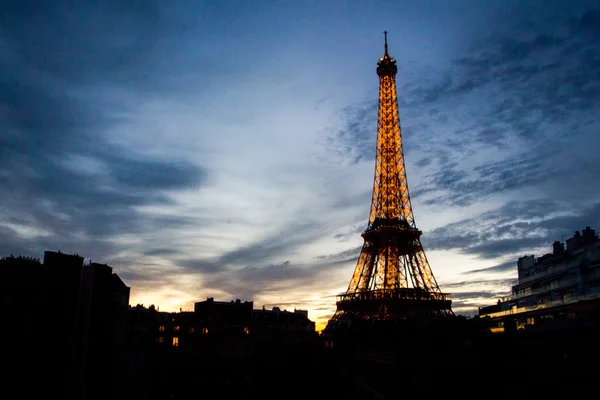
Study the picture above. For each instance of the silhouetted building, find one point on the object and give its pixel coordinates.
(20, 285)
(295, 325)
(20, 281)
(69, 324)
(72, 332)
(221, 347)
(222, 316)
(559, 289)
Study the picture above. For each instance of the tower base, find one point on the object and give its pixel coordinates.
(392, 305)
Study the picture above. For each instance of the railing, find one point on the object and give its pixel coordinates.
(400, 294)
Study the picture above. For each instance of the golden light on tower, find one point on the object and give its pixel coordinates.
(392, 277)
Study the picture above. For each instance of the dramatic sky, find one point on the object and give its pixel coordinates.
(226, 149)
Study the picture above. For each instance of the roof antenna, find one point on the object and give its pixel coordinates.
(386, 51)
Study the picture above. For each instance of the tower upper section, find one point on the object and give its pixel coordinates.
(390, 202)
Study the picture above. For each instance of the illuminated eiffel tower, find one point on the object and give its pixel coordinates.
(392, 279)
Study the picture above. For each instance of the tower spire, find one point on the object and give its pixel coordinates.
(392, 278)
(386, 64)
(386, 49)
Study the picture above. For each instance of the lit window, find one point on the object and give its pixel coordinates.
(176, 328)
(205, 331)
(161, 339)
(175, 341)
(161, 328)
(246, 330)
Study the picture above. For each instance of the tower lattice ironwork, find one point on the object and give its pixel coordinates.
(392, 278)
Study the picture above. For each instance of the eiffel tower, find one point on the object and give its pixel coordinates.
(392, 279)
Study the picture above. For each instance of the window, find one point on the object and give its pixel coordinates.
(175, 341)
(191, 329)
(160, 339)
(161, 328)
(205, 331)
(176, 328)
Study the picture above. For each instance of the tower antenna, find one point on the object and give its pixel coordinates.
(385, 38)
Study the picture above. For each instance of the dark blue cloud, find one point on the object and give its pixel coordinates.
(531, 94)
(142, 173)
(125, 43)
(60, 173)
(261, 252)
(508, 266)
(513, 230)
(463, 186)
(468, 295)
(357, 135)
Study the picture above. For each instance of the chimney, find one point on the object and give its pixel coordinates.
(558, 248)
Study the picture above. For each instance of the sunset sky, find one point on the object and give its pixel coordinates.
(226, 149)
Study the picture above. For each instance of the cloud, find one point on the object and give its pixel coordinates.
(357, 134)
(125, 44)
(343, 257)
(503, 267)
(265, 280)
(509, 231)
(493, 283)
(160, 252)
(263, 266)
(516, 61)
(61, 173)
(471, 294)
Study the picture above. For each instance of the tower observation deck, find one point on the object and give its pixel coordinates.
(392, 278)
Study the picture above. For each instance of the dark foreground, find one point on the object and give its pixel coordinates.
(391, 362)
(464, 359)
(459, 358)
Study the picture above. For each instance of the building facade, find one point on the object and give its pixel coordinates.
(560, 289)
